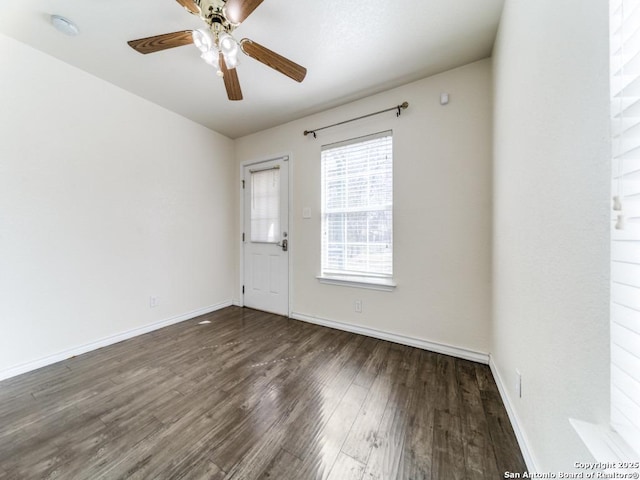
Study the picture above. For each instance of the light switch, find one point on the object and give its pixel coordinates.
(306, 212)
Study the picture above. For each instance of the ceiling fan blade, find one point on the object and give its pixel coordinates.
(273, 60)
(236, 11)
(162, 42)
(231, 82)
(190, 5)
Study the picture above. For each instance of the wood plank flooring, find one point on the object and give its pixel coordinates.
(256, 396)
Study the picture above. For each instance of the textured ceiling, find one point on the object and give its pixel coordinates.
(351, 49)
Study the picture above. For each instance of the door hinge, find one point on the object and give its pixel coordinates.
(243, 289)
(242, 183)
(243, 236)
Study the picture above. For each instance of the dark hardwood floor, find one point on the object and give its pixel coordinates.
(255, 396)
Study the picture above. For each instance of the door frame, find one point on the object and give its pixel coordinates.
(286, 157)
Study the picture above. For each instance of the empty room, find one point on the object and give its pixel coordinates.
(264, 239)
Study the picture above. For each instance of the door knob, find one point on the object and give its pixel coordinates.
(284, 244)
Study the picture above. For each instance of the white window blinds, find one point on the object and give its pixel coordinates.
(265, 205)
(357, 207)
(625, 237)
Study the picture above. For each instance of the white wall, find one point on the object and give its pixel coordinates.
(442, 209)
(105, 200)
(551, 218)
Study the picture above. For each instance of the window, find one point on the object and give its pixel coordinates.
(357, 209)
(625, 236)
(265, 205)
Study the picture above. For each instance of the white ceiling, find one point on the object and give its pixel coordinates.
(351, 49)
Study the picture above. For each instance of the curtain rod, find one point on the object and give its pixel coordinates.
(397, 108)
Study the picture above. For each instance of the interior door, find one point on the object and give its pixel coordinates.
(266, 236)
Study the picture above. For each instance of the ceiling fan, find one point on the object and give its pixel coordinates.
(217, 46)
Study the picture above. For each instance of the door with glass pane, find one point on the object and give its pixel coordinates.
(266, 237)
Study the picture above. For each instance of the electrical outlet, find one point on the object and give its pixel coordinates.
(153, 302)
(357, 306)
(518, 383)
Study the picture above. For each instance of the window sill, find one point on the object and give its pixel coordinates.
(383, 284)
(604, 444)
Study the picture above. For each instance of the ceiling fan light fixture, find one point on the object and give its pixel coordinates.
(202, 40)
(211, 58)
(228, 45)
(232, 61)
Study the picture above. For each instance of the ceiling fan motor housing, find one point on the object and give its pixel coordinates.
(212, 12)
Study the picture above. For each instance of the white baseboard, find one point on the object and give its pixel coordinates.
(396, 338)
(110, 340)
(513, 417)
